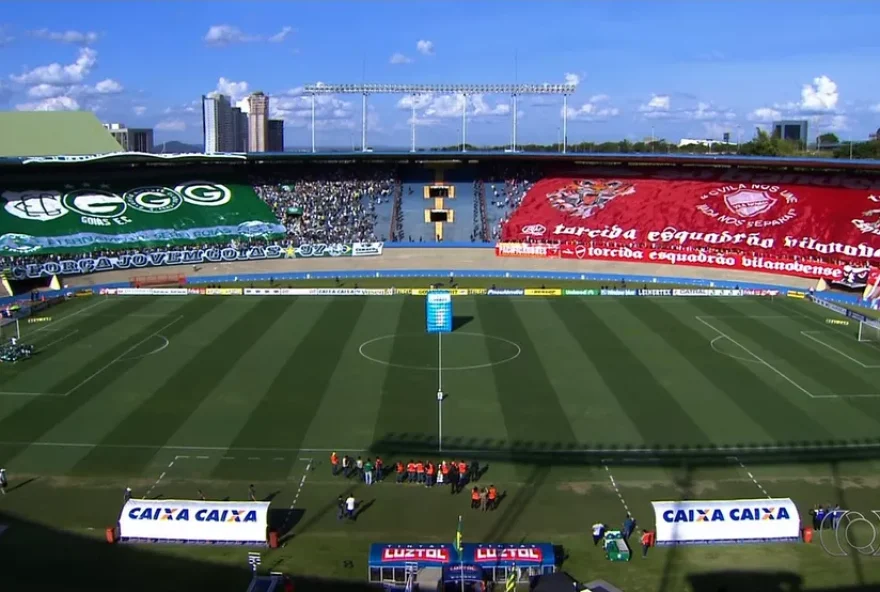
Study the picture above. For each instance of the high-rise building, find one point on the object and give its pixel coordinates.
(239, 130)
(218, 124)
(258, 122)
(132, 139)
(792, 130)
(276, 135)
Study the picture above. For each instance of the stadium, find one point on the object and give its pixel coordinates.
(689, 341)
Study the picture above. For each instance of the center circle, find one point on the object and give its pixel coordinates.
(442, 347)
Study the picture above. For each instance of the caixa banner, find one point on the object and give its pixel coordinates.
(186, 521)
(726, 522)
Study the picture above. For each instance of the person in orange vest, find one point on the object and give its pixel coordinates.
(411, 471)
(401, 471)
(475, 498)
(443, 473)
(493, 497)
(334, 463)
(380, 469)
(462, 474)
(420, 472)
(646, 542)
(430, 471)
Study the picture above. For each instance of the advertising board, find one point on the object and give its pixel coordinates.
(726, 521)
(186, 521)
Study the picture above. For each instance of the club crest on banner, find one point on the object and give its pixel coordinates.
(534, 230)
(744, 205)
(583, 198)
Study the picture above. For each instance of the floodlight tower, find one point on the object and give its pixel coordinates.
(465, 90)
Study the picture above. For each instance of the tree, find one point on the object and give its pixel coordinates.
(829, 139)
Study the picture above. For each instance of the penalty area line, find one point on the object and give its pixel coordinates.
(751, 476)
(159, 480)
(757, 357)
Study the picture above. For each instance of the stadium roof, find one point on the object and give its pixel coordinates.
(43, 133)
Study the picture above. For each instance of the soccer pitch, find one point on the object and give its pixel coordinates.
(580, 408)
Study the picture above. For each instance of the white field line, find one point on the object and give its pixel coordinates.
(469, 451)
(122, 355)
(62, 338)
(616, 489)
(29, 394)
(53, 322)
(162, 476)
(762, 360)
(834, 328)
(714, 347)
(752, 477)
(808, 335)
(299, 489)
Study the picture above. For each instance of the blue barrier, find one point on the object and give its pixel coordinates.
(851, 299)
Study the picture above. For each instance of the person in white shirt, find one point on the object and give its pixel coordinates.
(3, 481)
(14, 341)
(349, 507)
(598, 532)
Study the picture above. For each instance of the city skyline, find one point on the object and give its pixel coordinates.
(683, 70)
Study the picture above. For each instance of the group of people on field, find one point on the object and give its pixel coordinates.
(455, 473)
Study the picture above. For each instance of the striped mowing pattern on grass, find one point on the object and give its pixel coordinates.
(143, 374)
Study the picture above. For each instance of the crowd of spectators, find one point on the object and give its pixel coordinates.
(334, 208)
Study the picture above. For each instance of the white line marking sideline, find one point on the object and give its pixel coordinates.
(53, 322)
(62, 338)
(763, 361)
(299, 489)
(123, 354)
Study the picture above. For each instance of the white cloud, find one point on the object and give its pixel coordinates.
(425, 47)
(5, 38)
(399, 58)
(716, 131)
(139, 110)
(822, 95)
(599, 98)
(331, 112)
(658, 106)
(875, 108)
(77, 37)
(591, 111)
(837, 123)
(765, 114)
(236, 90)
(572, 79)
(108, 86)
(430, 109)
(60, 74)
(171, 125)
(51, 104)
(707, 112)
(221, 35)
(281, 35)
(45, 91)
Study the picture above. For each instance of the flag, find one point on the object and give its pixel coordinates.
(458, 537)
(512, 577)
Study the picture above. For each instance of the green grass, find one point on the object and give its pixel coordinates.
(216, 393)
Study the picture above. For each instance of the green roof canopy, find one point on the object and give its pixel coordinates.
(51, 133)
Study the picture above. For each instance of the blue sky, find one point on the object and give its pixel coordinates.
(685, 69)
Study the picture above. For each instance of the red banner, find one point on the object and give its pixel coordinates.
(739, 261)
(783, 215)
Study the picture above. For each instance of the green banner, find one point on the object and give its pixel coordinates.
(94, 217)
(588, 292)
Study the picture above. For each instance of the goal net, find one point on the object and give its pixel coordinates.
(869, 331)
(9, 328)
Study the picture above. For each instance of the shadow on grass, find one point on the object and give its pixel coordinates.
(459, 322)
(531, 452)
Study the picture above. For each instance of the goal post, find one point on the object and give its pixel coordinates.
(869, 331)
(9, 328)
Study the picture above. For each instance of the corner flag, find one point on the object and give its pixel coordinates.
(458, 537)
(512, 577)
